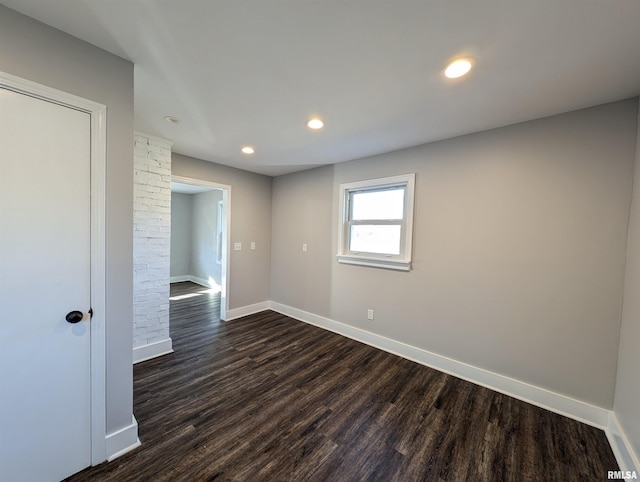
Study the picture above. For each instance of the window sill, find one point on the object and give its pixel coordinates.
(394, 264)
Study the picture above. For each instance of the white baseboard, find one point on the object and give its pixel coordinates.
(247, 310)
(180, 279)
(122, 441)
(627, 459)
(200, 281)
(555, 402)
(152, 350)
(193, 279)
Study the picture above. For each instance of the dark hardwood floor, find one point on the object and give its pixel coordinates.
(268, 398)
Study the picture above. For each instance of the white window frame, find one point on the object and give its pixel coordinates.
(401, 261)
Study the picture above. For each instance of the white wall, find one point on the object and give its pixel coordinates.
(627, 397)
(151, 246)
(181, 233)
(39, 53)
(250, 221)
(519, 249)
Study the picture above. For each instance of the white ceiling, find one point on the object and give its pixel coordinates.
(253, 71)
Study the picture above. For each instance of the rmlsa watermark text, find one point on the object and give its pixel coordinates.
(622, 475)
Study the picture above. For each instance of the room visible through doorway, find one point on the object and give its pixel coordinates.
(199, 237)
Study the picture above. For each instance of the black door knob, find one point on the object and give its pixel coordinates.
(74, 316)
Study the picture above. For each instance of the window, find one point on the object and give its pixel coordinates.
(376, 221)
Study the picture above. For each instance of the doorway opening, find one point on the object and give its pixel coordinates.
(200, 224)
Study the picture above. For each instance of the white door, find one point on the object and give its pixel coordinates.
(45, 397)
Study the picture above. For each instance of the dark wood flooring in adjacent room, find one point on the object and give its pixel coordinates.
(268, 398)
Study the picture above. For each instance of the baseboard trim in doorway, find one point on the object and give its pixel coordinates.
(180, 279)
(122, 441)
(540, 397)
(193, 279)
(152, 350)
(247, 310)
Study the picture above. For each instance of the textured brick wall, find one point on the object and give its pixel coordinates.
(151, 239)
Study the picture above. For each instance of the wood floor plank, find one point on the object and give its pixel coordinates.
(268, 398)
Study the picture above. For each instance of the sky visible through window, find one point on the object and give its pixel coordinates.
(378, 205)
(384, 239)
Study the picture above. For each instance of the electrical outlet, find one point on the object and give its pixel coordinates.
(304, 247)
(237, 246)
(369, 314)
(253, 245)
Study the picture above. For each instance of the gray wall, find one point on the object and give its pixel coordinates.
(204, 244)
(519, 249)
(181, 233)
(303, 213)
(250, 221)
(36, 52)
(627, 400)
(194, 246)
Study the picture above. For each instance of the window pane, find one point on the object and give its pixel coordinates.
(387, 204)
(383, 239)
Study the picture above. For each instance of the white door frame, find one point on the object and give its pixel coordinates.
(98, 114)
(226, 237)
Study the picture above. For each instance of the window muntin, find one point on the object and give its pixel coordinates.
(376, 222)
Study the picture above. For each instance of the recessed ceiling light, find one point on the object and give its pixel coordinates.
(172, 120)
(315, 123)
(458, 68)
(248, 150)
